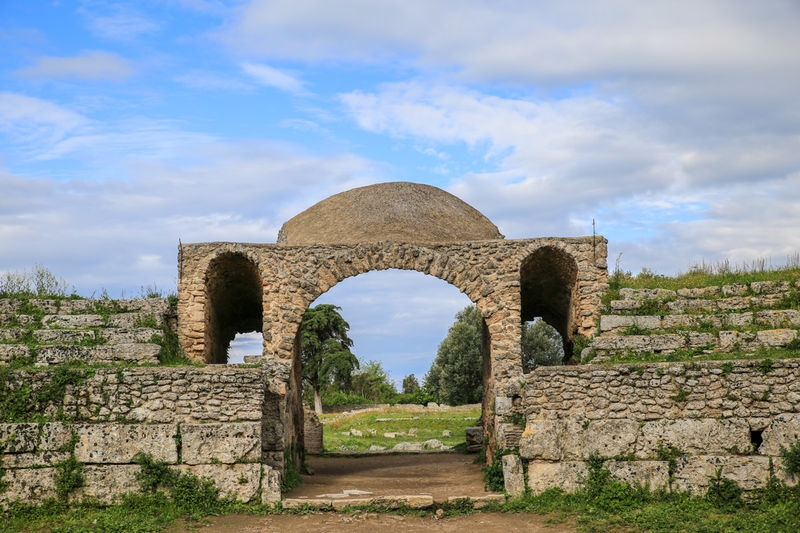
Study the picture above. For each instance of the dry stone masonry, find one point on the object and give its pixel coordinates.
(240, 424)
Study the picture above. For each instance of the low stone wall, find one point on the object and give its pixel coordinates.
(228, 453)
(733, 415)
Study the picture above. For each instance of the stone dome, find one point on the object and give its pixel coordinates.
(396, 211)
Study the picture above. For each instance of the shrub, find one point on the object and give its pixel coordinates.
(68, 477)
(791, 458)
(724, 492)
(493, 478)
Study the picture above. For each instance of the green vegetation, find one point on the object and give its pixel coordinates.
(38, 283)
(701, 355)
(493, 479)
(707, 274)
(455, 375)
(428, 425)
(27, 401)
(541, 345)
(325, 349)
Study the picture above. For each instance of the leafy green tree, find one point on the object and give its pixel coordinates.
(541, 345)
(410, 384)
(456, 373)
(372, 382)
(325, 349)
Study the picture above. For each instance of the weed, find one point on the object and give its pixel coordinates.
(670, 454)
(493, 478)
(518, 419)
(723, 492)
(791, 459)
(765, 366)
(726, 367)
(681, 395)
(68, 477)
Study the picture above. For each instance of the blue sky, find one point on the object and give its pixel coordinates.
(125, 126)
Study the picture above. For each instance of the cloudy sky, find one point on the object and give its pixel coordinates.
(127, 126)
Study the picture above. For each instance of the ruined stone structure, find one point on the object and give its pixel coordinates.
(238, 424)
(227, 288)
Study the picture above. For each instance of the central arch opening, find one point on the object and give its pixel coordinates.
(422, 349)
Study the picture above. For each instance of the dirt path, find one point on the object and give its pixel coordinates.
(439, 475)
(370, 522)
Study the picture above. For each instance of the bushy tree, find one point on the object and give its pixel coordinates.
(456, 373)
(410, 384)
(372, 382)
(325, 348)
(541, 345)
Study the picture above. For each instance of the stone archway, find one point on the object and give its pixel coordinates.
(402, 226)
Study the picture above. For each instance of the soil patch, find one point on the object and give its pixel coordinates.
(370, 522)
(440, 475)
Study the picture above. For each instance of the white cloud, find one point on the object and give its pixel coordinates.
(272, 77)
(117, 22)
(91, 65)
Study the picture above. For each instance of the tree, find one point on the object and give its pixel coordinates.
(325, 349)
(410, 384)
(456, 373)
(372, 382)
(541, 345)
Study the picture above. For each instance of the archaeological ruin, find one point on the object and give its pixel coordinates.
(242, 425)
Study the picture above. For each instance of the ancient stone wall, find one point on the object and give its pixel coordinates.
(729, 414)
(488, 272)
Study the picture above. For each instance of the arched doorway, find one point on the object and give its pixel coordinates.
(234, 292)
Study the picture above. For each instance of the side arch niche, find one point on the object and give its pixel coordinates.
(548, 280)
(233, 289)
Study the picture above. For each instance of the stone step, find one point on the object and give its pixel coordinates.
(119, 320)
(725, 341)
(105, 354)
(7, 319)
(755, 287)
(88, 306)
(615, 324)
(8, 352)
(75, 336)
(687, 305)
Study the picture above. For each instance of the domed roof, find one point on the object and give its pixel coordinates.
(397, 211)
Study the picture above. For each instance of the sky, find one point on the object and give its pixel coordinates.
(126, 126)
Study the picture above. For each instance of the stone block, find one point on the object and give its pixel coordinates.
(19, 438)
(646, 294)
(62, 336)
(29, 485)
(129, 335)
(566, 475)
(776, 337)
(74, 321)
(541, 440)
(513, 477)
(9, 352)
(11, 335)
(125, 353)
(107, 483)
(223, 443)
(693, 473)
(9, 318)
(120, 443)
(134, 320)
(33, 459)
(614, 322)
(270, 485)
(783, 430)
(610, 437)
(238, 481)
(735, 289)
(779, 317)
(654, 474)
(474, 437)
(695, 436)
(699, 340)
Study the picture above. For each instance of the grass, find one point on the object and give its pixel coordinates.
(699, 355)
(708, 274)
(429, 425)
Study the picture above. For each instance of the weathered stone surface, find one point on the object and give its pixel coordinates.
(312, 432)
(32, 485)
(783, 430)
(474, 437)
(237, 481)
(541, 440)
(27, 460)
(569, 475)
(695, 436)
(19, 438)
(270, 485)
(129, 335)
(107, 483)
(647, 294)
(513, 477)
(104, 354)
(221, 443)
(62, 336)
(407, 447)
(577, 438)
(693, 473)
(120, 443)
(9, 352)
(776, 337)
(135, 320)
(74, 321)
(55, 436)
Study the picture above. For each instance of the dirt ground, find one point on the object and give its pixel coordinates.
(370, 522)
(440, 475)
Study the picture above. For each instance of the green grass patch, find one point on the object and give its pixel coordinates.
(700, 277)
(428, 425)
(700, 355)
